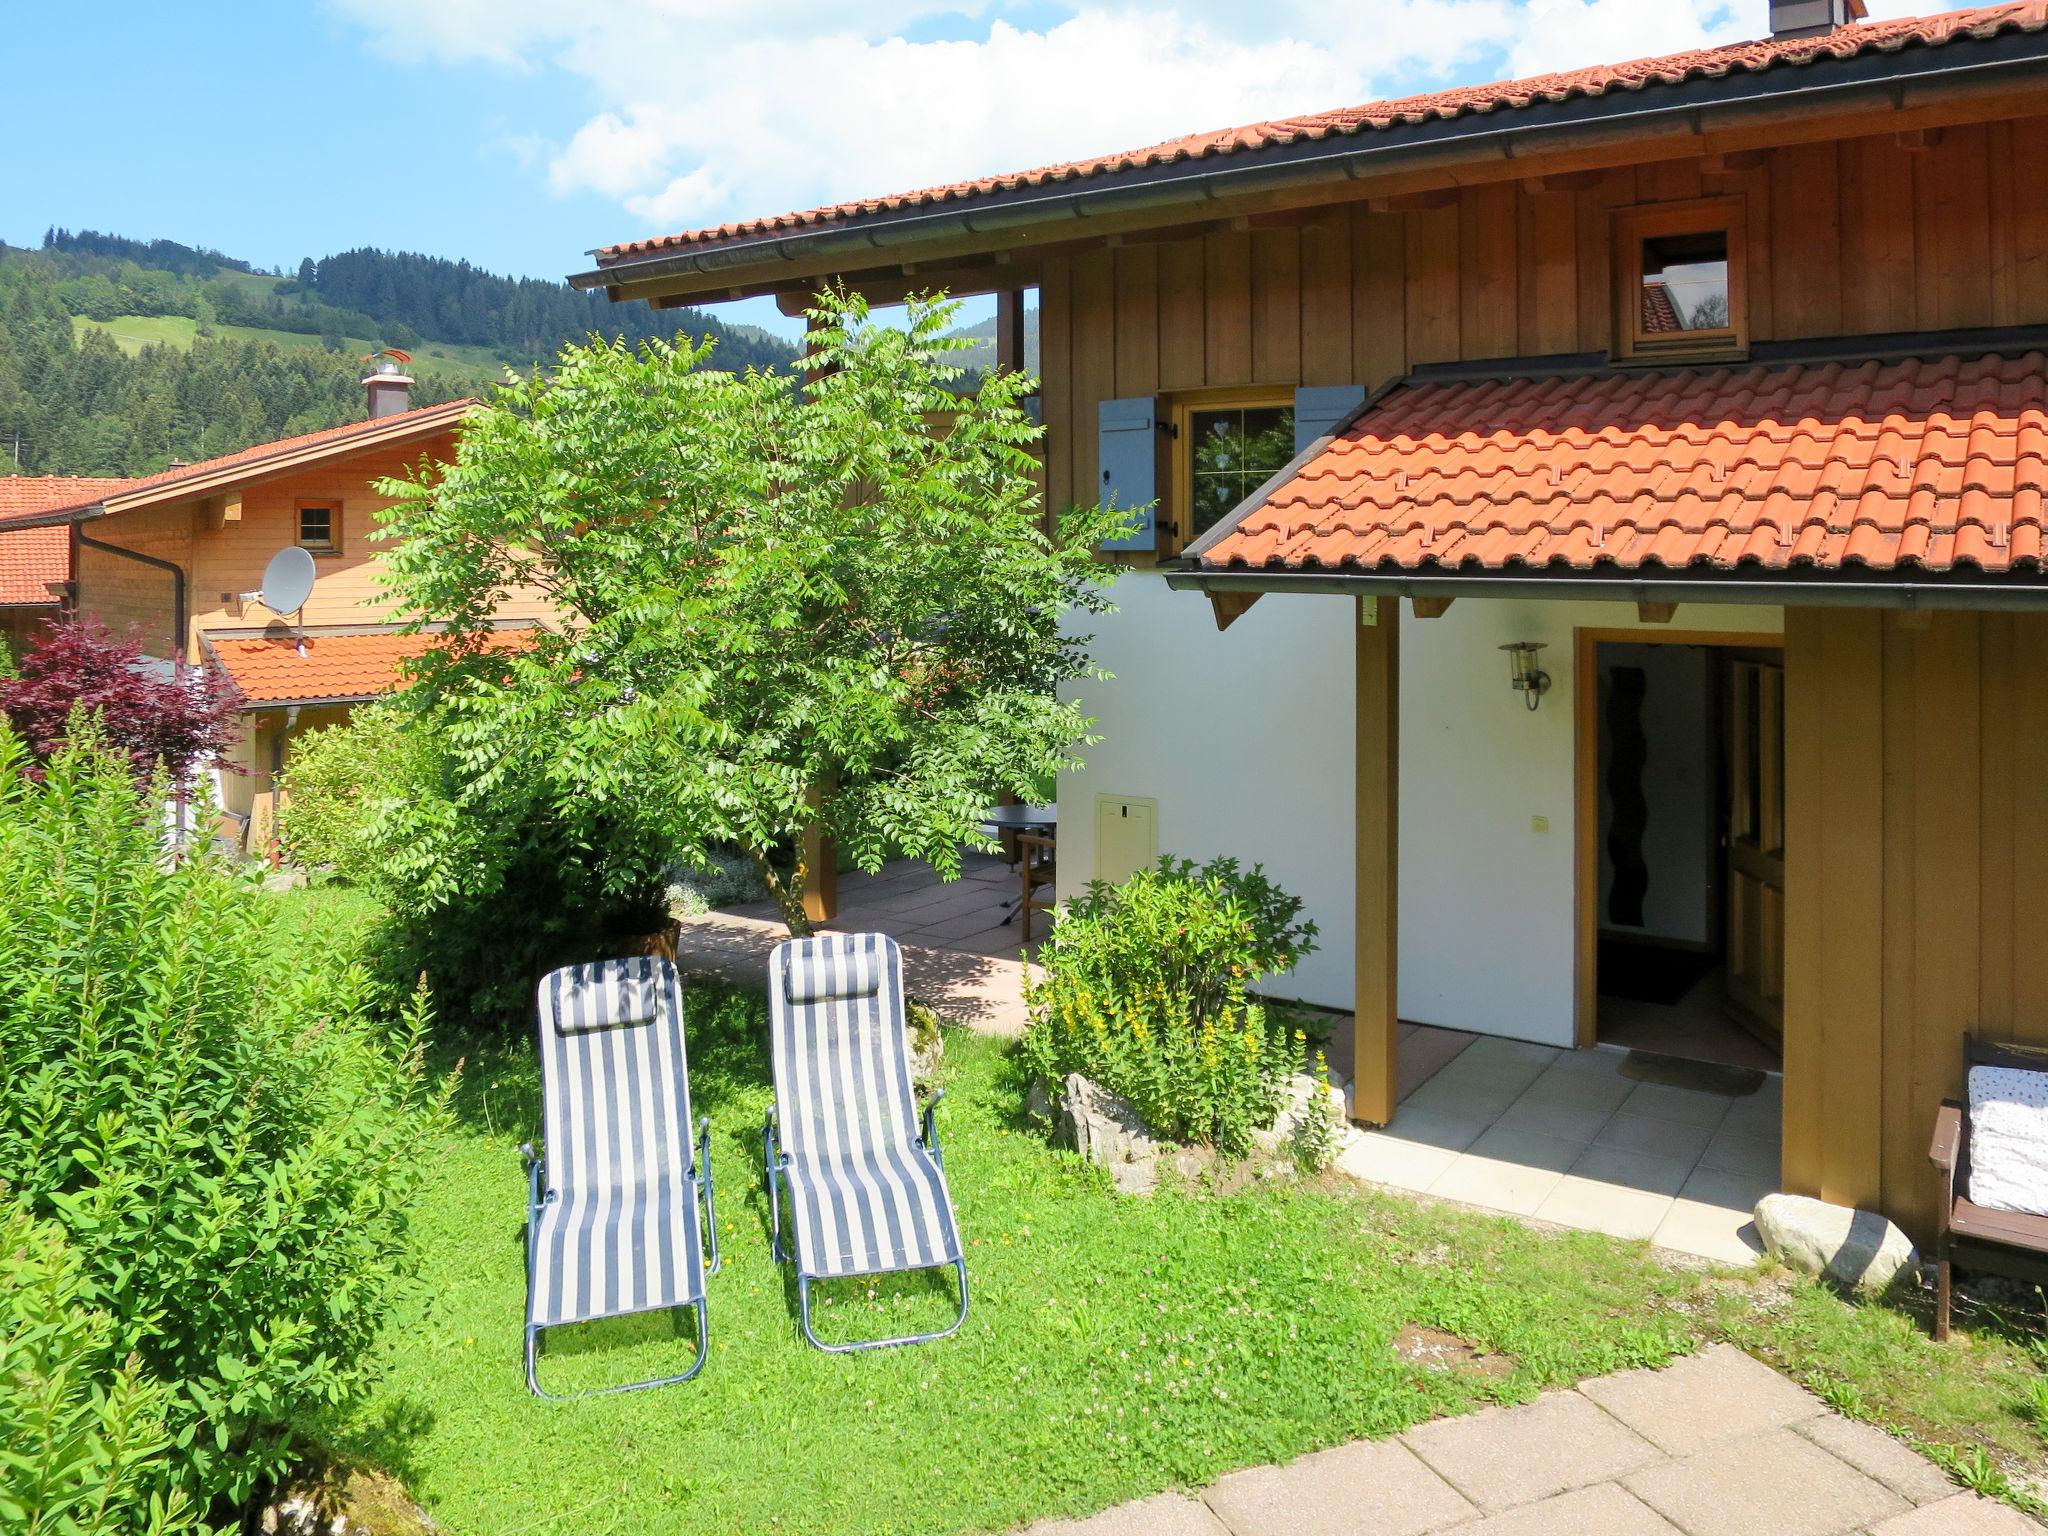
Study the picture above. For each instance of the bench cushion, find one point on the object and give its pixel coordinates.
(2009, 1139)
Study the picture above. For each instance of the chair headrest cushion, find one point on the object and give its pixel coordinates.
(833, 975)
(607, 999)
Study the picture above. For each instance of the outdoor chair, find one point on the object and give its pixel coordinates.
(1039, 871)
(1986, 1235)
(613, 1223)
(867, 1194)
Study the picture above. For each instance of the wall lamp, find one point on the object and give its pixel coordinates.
(1528, 679)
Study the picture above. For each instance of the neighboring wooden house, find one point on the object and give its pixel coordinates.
(178, 558)
(35, 563)
(1718, 376)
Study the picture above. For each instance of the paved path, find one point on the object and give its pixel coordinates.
(1715, 1445)
(983, 992)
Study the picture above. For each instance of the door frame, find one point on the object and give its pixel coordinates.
(1586, 645)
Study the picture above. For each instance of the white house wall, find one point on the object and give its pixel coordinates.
(1244, 740)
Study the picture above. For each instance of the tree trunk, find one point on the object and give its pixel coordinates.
(788, 895)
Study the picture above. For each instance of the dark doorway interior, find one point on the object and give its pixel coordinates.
(1689, 955)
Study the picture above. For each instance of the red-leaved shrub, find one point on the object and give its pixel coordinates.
(144, 712)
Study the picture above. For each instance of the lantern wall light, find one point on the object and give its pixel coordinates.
(1527, 679)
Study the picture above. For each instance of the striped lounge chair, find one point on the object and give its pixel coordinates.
(613, 1224)
(867, 1195)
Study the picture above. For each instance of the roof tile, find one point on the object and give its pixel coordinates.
(1930, 464)
(295, 669)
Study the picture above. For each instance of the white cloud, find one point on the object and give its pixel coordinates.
(709, 110)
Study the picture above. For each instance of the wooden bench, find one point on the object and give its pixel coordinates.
(2003, 1242)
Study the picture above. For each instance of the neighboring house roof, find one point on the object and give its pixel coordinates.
(346, 667)
(1930, 465)
(1466, 101)
(231, 469)
(1659, 313)
(34, 558)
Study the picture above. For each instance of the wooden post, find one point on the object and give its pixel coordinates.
(1010, 330)
(821, 865)
(1375, 1075)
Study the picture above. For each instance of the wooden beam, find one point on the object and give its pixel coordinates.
(1567, 181)
(820, 858)
(1375, 1086)
(1431, 607)
(1734, 162)
(1414, 202)
(1919, 138)
(222, 510)
(1229, 607)
(1655, 613)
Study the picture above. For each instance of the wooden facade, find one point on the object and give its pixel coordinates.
(1887, 233)
(1917, 840)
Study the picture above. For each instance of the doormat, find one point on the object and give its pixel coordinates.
(1650, 973)
(1699, 1076)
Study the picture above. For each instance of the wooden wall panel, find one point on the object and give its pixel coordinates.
(1056, 380)
(1228, 287)
(1183, 324)
(1276, 306)
(1137, 321)
(1952, 231)
(1487, 274)
(1917, 848)
(1379, 297)
(1877, 236)
(1094, 321)
(1325, 316)
(1547, 284)
(1431, 260)
(1805, 245)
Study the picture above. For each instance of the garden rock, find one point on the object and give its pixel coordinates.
(290, 878)
(1293, 1125)
(336, 1499)
(1106, 1128)
(1856, 1249)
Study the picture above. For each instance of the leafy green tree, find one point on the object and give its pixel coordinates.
(833, 608)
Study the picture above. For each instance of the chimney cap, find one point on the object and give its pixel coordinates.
(1811, 18)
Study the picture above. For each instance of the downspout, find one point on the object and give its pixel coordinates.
(80, 539)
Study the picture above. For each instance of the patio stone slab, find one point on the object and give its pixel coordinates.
(1164, 1514)
(1775, 1481)
(1661, 1101)
(1962, 1514)
(1389, 1160)
(1605, 1509)
(1370, 1485)
(1713, 1395)
(1876, 1454)
(1592, 1205)
(1501, 1457)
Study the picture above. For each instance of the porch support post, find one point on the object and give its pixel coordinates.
(1375, 1077)
(1010, 330)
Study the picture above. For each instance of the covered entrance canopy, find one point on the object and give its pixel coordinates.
(1894, 507)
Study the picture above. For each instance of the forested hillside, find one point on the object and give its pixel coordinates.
(118, 356)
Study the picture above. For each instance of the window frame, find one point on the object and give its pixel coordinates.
(332, 507)
(1184, 408)
(1648, 221)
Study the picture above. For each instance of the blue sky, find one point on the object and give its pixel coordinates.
(518, 133)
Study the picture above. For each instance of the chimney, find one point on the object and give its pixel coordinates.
(388, 384)
(1810, 18)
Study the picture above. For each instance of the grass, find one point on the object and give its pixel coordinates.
(132, 333)
(1116, 1346)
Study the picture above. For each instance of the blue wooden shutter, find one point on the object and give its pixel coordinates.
(1129, 457)
(1319, 408)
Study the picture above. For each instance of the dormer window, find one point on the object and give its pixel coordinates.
(320, 527)
(1679, 290)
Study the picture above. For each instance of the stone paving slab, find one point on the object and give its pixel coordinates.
(1378, 1486)
(1876, 1454)
(1604, 1509)
(1713, 1395)
(1774, 1481)
(1501, 1457)
(1962, 1514)
(1164, 1514)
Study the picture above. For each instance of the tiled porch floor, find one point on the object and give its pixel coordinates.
(1569, 1137)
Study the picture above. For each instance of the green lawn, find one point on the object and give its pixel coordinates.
(1116, 1346)
(134, 332)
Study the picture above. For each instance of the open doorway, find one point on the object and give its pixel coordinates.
(1683, 742)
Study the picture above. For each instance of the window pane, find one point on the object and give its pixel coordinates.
(316, 526)
(1233, 452)
(1685, 283)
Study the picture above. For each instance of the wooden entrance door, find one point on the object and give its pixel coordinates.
(1755, 842)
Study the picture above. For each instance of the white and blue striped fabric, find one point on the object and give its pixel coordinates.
(618, 1229)
(866, 1196)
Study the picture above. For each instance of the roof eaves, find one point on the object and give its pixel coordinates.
(1352, 154)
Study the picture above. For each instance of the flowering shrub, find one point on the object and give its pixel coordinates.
(1145, 993)
(205, 1110)
(149, 718)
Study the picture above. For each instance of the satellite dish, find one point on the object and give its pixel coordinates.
(287, 580)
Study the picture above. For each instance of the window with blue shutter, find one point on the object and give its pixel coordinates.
(1318, 409)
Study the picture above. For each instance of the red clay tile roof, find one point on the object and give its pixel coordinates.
(32, 558)
(1463, 101)
(93, 492)
(1929, 465)
(327, 666)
